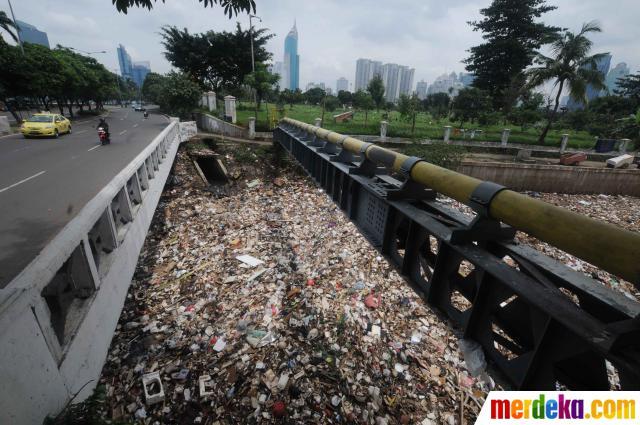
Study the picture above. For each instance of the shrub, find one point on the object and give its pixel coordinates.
(441, 154)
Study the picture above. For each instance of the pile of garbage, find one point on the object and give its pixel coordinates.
(267, 306)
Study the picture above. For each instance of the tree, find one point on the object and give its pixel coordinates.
(570, 65)
(529, 111)
(607, 117)
(262, 81)
(152, 87)
(231, 7)
(408, 108)
(376, 90)
(14, 81)
(345, 97)
(44, 74)
(363, 101)
(629, 86)
(470, 103)
(215, 59)
(511, 37)
(314, 95)
(437, 104)
(179, 94)
(331, 103)
(8, 25)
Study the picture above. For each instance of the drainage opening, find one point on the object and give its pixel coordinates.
(213, 173)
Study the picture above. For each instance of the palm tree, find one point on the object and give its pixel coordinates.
(570, 66)
(8, 25)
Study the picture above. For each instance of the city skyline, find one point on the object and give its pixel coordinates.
(434, 36)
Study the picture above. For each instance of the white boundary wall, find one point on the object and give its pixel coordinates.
(86, 269)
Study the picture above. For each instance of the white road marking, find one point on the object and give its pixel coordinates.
(95, 147)
(21, 149)
(22, 181)
(122, 132)
(135, 125)
(80, 132)
(74, 156)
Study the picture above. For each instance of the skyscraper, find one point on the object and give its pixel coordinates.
(446, 83)
(365, 70)
(406, 80)
(391, 74)
(291, 79)
(397, 79)
(31, 34)
(619, 71)
(466, 79)
(591, 93)
(421, 89)
(125, 62)
(139, 72)
(342, 84)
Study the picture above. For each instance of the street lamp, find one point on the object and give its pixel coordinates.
(15, 24)
(253, 64)
(88, 53)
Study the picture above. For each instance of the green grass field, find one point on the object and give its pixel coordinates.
(426, 127)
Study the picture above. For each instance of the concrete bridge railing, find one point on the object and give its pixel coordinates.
(58, 315)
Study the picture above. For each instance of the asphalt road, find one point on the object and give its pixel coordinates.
(45, 182)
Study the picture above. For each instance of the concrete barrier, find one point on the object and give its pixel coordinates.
(215, 125)
(5, 128)
(556, 178)
(58, 315)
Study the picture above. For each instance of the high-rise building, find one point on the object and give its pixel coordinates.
(591, 93)
(135, 71)
(30, 34)
(391, 80)
(362, 74)
(366, 69)
(621, 70)
(342, 84)
(421, 89)
(466, 78)
(313, 85)
(446, 83)
(397, 79)
(406, 80)
(278, 69)
(291, 76)
(139, 72)
(124, 60)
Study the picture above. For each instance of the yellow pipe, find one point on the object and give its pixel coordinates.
(609, 247)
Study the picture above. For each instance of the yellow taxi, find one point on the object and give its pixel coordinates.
(45, 124)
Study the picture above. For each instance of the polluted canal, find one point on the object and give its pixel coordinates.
(256, 300)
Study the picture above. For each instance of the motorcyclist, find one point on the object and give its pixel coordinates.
(104, 125)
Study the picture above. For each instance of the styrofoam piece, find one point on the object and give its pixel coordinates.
(153, 390)
(620, 161)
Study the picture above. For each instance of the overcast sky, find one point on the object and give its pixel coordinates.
(430, 35)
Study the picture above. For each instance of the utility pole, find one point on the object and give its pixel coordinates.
(253, 63)
(13, 16)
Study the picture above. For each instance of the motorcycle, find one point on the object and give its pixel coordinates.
(103, 135)
(146, 115)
